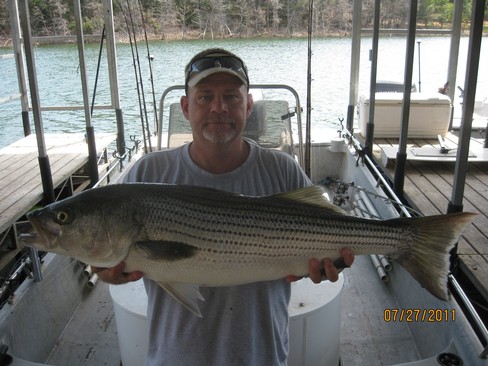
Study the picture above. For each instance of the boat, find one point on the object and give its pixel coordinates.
(375, 314)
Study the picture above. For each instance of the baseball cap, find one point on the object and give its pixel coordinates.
(212, 61)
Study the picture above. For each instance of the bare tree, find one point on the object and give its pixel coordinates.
(224, 18)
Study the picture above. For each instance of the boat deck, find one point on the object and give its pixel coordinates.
(428, 187)
(90, 338)
(20, 181)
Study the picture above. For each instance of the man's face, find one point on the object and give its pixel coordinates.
(217, 108)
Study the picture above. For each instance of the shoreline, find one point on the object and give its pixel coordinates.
(95, 38)
(193, 36)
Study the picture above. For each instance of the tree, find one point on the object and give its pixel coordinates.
(186, 14)
(224, 18)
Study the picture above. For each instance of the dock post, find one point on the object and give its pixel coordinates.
(90, 133)
(19, 60)
(474, 49)
(355, 58)
(399, 180)
(372, 87)
(44, 165)
(485, 145)
(113, 77)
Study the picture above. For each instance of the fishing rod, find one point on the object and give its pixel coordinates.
(135, 72)
(142, 106)
(308, 123)
(420, 82)
(149, 59)
(341, 189)
(98, 71)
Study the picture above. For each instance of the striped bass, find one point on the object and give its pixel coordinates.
(187, 236)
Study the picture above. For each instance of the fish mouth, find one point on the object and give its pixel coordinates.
(43, 233)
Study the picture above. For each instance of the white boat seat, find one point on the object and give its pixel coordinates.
(268, 125)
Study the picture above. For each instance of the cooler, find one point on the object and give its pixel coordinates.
(429, 115)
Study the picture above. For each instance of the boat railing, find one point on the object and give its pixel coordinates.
(405, 211)
(473, 313)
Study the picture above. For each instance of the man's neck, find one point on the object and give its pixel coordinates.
(219, 158)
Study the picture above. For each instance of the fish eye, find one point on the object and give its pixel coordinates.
(62, 217)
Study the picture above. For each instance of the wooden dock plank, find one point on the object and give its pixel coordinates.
(476, 269)
(431, 187)
(430, 150)
(20, 181)
(17, 167)
(62, 166)
(428, 186)
(475, 200)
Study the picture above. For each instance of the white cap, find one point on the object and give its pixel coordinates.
(212, 61)
(196, 77)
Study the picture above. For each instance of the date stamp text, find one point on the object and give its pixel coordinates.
(419, 315)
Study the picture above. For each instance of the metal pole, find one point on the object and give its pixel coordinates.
(355, 58)
(372, 89)
(112, 73)
(418, 43)
(19, 60)
(90, 133)
(476, 33)
(401, 160)
(454, 54)
(44, 165)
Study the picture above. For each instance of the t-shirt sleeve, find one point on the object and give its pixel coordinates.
(286, 168)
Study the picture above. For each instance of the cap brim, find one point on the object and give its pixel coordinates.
(199, 76)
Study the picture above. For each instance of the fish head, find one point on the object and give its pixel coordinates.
(91, 227)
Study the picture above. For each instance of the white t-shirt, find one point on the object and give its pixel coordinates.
(241, 325)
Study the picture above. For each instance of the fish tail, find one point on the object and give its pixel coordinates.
(428, 259)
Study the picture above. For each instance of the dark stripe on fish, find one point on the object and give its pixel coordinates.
(167, 250)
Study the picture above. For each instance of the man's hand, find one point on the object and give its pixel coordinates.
(116, 275)
(318, 270)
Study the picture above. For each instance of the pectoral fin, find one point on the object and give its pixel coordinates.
(187, 294)
(165, 250)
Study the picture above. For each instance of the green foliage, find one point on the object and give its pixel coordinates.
(220, 18)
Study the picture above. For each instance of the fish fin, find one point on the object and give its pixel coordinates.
(312, 195)
(167, 250)
(428, 259)
(186, 294)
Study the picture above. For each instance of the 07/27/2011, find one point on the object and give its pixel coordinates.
(419, 315)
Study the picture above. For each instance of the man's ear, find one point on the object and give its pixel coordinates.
(184, 106)
(250, 102)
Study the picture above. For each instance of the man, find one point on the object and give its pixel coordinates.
(241, 325)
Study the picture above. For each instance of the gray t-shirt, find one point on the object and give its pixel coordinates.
(241, 325)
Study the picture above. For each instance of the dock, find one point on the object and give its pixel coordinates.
(20, 180)
(428, 185)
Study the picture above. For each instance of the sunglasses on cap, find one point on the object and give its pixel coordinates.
(231, 63)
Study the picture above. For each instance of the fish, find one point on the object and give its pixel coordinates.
(184, 237)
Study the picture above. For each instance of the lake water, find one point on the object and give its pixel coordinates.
(280, 61)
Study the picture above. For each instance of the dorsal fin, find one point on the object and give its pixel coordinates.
(312, 195)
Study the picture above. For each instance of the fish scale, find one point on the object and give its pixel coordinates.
(186, 236)
(272, 227)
